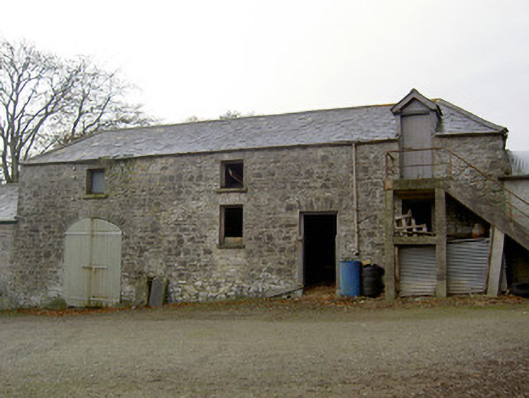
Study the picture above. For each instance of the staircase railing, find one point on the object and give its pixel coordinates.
(448, 164)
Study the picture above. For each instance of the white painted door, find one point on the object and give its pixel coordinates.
(92, 263)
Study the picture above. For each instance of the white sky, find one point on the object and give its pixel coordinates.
(202, 57)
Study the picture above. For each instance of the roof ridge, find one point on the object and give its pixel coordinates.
(154, 126)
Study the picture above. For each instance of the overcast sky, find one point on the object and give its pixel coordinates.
(202, 57)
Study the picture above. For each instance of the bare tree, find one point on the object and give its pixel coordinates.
(229, 114)
(45, 100)
(192, 119)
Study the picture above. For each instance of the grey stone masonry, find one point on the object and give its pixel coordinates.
(168, 211)
(371, 171)
(167, 196)
(8, 211)
(6, 242)
(487, 154)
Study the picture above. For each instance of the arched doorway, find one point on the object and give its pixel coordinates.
(92, 263)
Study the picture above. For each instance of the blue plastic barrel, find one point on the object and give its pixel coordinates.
(350, 278)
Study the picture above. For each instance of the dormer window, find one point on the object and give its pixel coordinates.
(95, 182)
(232, 174)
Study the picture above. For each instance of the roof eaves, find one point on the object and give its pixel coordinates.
(205, 152)
(467, 133)
(52, 151)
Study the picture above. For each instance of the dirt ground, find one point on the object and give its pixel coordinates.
(322, 347)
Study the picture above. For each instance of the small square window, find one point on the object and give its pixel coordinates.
(231, 225)
(232, 174)
(95, 182)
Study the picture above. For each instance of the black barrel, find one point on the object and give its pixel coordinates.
(520, 289)
(372, 284)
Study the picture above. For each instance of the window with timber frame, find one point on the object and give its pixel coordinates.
(95, 182)
(232, 174)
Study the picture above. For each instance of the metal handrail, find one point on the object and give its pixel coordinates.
(391, 158)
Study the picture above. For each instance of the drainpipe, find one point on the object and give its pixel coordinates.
(356, 251)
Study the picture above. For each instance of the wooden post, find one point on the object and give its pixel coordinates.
(495, 261)
(389, 217)
(440, 244)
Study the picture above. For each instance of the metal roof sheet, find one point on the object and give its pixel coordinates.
(519, 162)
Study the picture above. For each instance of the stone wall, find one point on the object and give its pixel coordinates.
(371, 171)
(484, 151)
(168, 211)
(6, 241)
(487, 154)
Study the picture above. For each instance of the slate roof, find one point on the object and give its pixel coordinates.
(457, 120)
(359, 124)
(8, 202)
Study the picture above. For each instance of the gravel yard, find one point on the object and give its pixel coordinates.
(271, 349)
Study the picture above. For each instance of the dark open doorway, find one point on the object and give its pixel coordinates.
(319, 249)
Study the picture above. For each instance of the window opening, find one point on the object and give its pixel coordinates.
(421, 211)
(231, 225)
(233, 174)
(95, 181)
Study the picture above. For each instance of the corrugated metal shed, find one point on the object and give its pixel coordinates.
(418, 270)
(8, 202)
(519, 162)
(467, 266)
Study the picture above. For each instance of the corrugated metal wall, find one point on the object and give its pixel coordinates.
(467, 266)
(519, 162)
(418, 270)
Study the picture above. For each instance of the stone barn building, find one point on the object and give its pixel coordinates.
(8, 211)
(264, 205)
